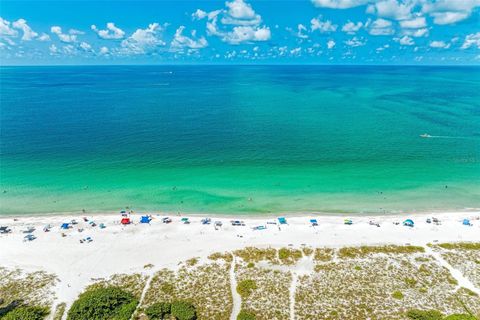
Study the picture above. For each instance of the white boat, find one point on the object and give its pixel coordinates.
(425, 135)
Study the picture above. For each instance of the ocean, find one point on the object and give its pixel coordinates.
(239, 139)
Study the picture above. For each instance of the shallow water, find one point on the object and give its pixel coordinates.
(238, 139)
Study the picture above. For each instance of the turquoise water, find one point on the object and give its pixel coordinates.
(239, 139)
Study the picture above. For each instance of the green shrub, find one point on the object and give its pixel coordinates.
(158, 310)
(183, 310)
(397, 295)
(27, 313)
(460, 317)
(245, 287)
(424, 314)
(103, 303)
(245, 315)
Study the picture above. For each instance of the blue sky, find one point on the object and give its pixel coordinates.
(240, 32)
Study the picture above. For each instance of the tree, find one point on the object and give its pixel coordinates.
(245, 315)
(27, 313)
(158, 311)
(102, 304)
(183, 310)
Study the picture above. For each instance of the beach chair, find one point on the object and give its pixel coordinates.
(259, 228)
(466, 222)
(314, 222)
(206, 221)
(5, 230)
(282, 220)
(88, 239)
(102, 226)
(166, 220)
(29, 230)
(29, 237)
(185, 221)
(429, 220)
(348, 222)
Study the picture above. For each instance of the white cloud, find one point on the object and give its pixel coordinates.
(416, 23)
(417, 33)
(449, 11)
(238, 24)
(44, 37)
(143, 40)
(296, 51)
(112, 31)
(355, 42)
(75, 31)
(381, 27)
(6, 30)
(104, 51)
(85, 46)
(53, 49)
(439, 44)
(405, 41)
(28, 33)
(301, 28)
(472, 39)
(339, 4)
(449, 17)
(322, 26)
(181, 41)
(67, 38)
(352, 28)
(199, 14)
(392, 9)
(330, 44)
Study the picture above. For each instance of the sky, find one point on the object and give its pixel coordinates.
(240, 32)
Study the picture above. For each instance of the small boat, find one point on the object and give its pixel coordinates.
(425, 135)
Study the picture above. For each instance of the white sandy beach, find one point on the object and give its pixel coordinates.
(127, 249)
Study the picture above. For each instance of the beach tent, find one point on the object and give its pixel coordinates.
(314, 222)
(347, 221)
(185, 221)
(145, 219)
(282, 220)
(408, 223)
(65, 226)
(466, 222)
(125, 221)
(206, 221)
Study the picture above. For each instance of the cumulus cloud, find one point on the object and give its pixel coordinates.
(236, 24)
(28, 33)
(449, 17)
(471, 40)
(199, 14)
(415, 23)
(391, 9)
(448, 11)
(352, 28)
(417, 33)
(63, 37)
(144, 40)
(405, 41)
(112, 32)
(104, 51)
(355, 42)
(322, 26)
(339, 4)
(44, 37)
(181, 41)
(300, 31)
(381, 27)
(439, 44)
(330, 44)
(6, 29)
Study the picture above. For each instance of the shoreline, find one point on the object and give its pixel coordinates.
(243, 215)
